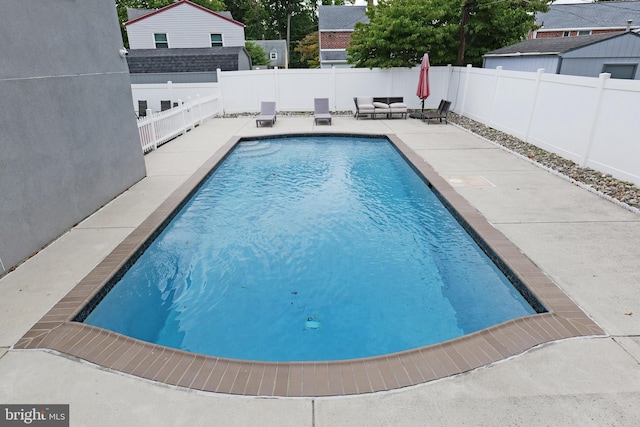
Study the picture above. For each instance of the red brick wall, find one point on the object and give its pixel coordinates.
(573, 33)
(335, 40)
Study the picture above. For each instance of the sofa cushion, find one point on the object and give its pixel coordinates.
(381, 105)
(366, 107)
(398, 105)
(364, 100)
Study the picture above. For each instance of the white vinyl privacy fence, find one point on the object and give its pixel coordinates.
(593, 121)
(157, 128)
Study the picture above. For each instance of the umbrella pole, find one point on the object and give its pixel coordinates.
(423, 105)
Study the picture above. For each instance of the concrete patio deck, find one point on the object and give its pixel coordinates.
(587, 245)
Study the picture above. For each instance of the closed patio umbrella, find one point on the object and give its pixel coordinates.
(423, 91)
(423, 81)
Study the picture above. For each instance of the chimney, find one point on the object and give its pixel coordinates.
(629, 22)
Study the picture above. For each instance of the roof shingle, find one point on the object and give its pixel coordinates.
(552, 44)
(141, 61)
(341, 17)
(606, 14)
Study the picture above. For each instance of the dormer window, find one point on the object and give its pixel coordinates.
(216, 40)
(273, 55)
(161, 40)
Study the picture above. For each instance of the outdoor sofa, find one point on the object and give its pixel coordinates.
(375, 106)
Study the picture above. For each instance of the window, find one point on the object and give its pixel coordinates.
(584, 33)
(161, 40)
(566, 34)
(273, 55)
(216, 40)
(621, 71)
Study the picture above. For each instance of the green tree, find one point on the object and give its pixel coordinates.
(290, 20)
(257, 53)
(252, 14)
(494, 24)
(309, 50)
(401, 31)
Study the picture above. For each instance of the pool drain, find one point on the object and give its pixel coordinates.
(311, 324)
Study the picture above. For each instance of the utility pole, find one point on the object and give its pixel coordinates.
(466, 13)
(288, 37)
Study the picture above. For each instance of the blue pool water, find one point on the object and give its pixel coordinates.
(310, 248)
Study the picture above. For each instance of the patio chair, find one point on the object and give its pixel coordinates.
(321, 110)
(364, 106)
(441, 113)
(267, 113)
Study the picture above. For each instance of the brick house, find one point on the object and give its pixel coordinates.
(335, 25)
(582, 19)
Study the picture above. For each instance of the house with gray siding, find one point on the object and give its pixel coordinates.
(183, 43)
(583, 19)
(615, 53)
(335, 25)
(183, 25)
(276, 51)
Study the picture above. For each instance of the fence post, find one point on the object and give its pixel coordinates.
(184, 122)
(333, 86)
(465, 88)
(276, 85)
(199, 102)
(447, 84)
(189, 106)
(533, 104)
(220, 91)
(493, 95)
(152, 126)
(602, 81)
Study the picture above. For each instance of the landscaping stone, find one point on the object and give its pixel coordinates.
(622, 191)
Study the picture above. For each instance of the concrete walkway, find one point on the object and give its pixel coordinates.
(587, 245)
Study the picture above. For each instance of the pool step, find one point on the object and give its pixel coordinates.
(256, 148)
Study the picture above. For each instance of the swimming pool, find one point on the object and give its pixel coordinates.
(310, 248)
(59, 331)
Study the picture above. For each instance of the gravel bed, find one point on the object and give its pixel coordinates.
(623, 192)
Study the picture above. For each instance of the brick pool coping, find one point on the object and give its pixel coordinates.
(57, 331)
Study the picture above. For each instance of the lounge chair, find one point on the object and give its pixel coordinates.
(440, 113)
(321, 110)
(267, 113)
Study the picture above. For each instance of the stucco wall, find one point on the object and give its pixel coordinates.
(69, 142)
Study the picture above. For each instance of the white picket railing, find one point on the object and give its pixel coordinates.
(157, 128)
